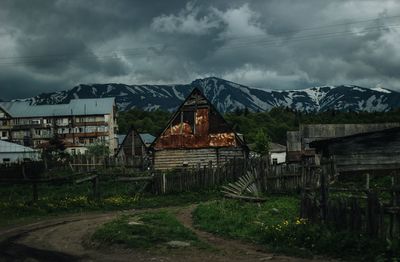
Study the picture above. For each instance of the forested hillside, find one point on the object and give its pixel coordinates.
(274, 122)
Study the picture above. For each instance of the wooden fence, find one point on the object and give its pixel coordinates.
(364, 211)
(22, 170)
(270, 178)
(198, 178)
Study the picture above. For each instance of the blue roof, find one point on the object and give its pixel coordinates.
(147, 138)
(120, 138)
(92, 106)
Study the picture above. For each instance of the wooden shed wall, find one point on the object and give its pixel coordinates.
(177, 158)
(375, 151)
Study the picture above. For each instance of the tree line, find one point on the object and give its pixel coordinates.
(273, 123)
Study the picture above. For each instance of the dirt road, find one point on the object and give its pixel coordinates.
(66, 239)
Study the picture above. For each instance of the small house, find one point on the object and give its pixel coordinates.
(13, 153)
(133, 150)
(196, 135)
(277, 153)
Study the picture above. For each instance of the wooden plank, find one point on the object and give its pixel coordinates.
(79, 181)
(134, 179)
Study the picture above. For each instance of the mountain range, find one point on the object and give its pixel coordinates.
(228, 96)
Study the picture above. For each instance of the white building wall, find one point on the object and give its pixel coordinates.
(13, 157)
(280, 157)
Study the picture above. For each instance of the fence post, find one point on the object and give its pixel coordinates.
(95, 187)
(164, 184)
(372, 212)
(324, 194)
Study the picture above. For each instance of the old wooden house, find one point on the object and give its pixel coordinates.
(133, 150)
(364, 152)
(196, 135)
(299, 142)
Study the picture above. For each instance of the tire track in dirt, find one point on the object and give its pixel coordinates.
(66, 239)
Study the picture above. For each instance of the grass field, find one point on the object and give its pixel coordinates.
(147, 230)
(16, 204)
(276, 225)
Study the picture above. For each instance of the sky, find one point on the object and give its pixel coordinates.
(52, 45)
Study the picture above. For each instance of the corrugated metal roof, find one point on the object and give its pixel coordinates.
(7, 147)
(147, 138)
(93, 106)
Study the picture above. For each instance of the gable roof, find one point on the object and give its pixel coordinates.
(92, 106)
(8, 147)
(212, 107)
(133, 130)
(147, 138)
(275, 148)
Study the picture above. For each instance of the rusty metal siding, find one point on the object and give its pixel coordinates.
(196, 125)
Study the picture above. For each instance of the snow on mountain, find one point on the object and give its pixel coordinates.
(228, 96)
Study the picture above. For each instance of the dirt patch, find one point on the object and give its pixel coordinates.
(65, 239)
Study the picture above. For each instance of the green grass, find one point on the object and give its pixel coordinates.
(243, 220)
(16, 204)
(147, 230)
(276, 225)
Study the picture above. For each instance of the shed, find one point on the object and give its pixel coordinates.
(299, 142)
(277, 153)
(12, 153)
(133, 150)
(372, 151)
(195, 135)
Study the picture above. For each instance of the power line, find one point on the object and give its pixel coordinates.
(143, 51)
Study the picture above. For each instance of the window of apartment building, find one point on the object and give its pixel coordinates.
(35, 121)
(38, 132)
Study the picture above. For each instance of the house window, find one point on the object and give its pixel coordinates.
(274, 161)
(6, 160)
(188, 122)
(3, 133)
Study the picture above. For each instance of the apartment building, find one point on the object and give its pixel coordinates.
(79, 123)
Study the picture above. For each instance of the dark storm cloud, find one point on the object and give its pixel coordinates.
(52, 45)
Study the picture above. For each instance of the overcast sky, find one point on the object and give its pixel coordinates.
(54, 45)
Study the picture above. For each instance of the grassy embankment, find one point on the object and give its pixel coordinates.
(276, 225)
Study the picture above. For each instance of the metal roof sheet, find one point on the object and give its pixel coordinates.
(147, 138)
(93, 106)
(8, 147)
